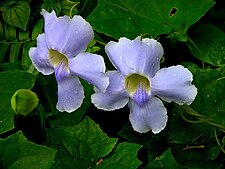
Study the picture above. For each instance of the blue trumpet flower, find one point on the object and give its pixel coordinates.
(61, 49)
(140, 83)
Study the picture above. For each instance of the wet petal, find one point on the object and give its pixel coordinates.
(68, 36)
(70, 94)
(115, 96)
(49, 18)
(39, 56)
(174, 84)
(151, 116)
(90, 67)
(135, 56)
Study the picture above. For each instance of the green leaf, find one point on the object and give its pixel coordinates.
(17, 14)
(17, 153)
(10, 82)
(214, 152)
(3, 49)
(166, 160)
(79, 146)
(208, 45)
(14, 52)
(2, 38)
(50, 5)
(194, 158)
(10, 33)
(131, 18)
(211, 94)
(69, 8)
(124, 156)
(38, 28)
(26, 62)
(181, 132)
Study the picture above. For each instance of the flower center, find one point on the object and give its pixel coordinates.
(60, 63)
(56, 58)
(138, 86)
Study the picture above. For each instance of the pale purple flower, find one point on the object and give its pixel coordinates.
(139, 82)
(61, 49)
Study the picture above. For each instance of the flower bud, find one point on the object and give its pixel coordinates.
(24, 101)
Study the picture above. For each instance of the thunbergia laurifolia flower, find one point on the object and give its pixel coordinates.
(139, 82)
(61, 49)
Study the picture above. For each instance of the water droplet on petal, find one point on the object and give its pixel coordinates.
(101, 70)
(76, 32)
(95, 61)
(175, 74)
(133, 121)
(75, 92)
(121, 57)
(149, 44)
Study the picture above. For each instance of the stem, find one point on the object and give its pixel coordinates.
(197, 48)
(187, 120)
(85, 3)
(218, 142)
(201, 118)
(42, 117)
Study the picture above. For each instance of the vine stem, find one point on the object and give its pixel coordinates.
(197, 48)
(200, 117)
(218, 142)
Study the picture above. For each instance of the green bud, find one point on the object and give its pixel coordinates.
(24, 101)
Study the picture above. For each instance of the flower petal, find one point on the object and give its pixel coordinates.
(115, 96)
(151, 116)
(135, 56)
(70, 94)
(49, 18)
(90, 67)
(68, 36)
(174, 84)
(39, 56)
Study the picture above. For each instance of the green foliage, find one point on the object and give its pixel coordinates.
(123, 157)
(194, 135)
(131, 18)
(8, 86)
(50, 5)
(208, 45)
(18, 153)
(82, 145)
(166, 160)
(210, 95)
(16, 13)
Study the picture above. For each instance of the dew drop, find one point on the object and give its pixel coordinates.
(75, 92)
(149, 44)
(95, 61)
(133, 121)
(121, 57)
(76, 32)
(175, 74)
